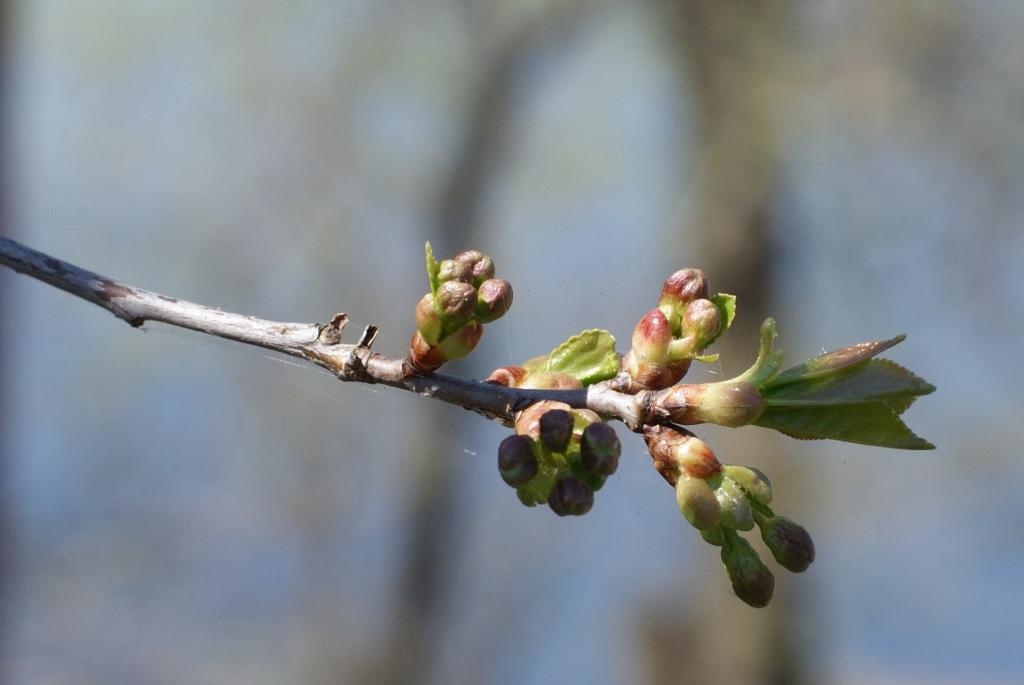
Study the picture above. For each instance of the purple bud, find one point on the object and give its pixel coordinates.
(528, 421)
(789, 542)
(457, 301)
(453, 270)
(556, 430)
(516, 461)
(600, 449)
(571, 497)
(481, 266)
(751, 580)
(493, 299)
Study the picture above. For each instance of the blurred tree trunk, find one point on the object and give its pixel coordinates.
(430, 550)
(5, 214)
(736, 61)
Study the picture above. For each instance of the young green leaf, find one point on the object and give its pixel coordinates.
(726, 305)
(433, 270)
(589, 357)
(867, 423)
(867, 381)
(834, 361)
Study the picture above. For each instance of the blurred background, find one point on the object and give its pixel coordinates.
(182, 509)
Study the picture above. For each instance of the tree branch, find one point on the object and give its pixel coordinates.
(318, 344)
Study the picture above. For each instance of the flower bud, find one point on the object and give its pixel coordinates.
(736, 512)
(516, 461)
(457, 302)
(651, 337)
(677, 451)
(423, 356)
(751, 580)
(509, 376)
(754, 483)
(454, 270)
(556, 429)
(732, 403)
(683, 287)
(481, 265)
(697, 501)
(527, 421)
(428, 319)
(702, 320)
(571, 497)
(461, 342)
(789, 542)
(550, 380)
(600, 449)
(493, 299)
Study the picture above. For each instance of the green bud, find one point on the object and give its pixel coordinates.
(600, 449)
(457, 301)
(789, 542)
(713, 536)
(428, 319)
(751, 580)
(754, 483)
(571, 497)
(697, 501)
(736, 512)
(453, 270)
(461, 342)
(516, 462)
(550, 380)
(731, 403)
(493, 299)
(556, 429)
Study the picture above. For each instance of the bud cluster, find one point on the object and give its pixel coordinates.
(560, 456)
(449, 319)
(722, 500)
(670, 336)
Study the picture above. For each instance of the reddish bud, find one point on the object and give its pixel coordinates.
(493, 299)
(423, 356)
(651, 337)
(480, 265)
(509, 376)
(683, 287)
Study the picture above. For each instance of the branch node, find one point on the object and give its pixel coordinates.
(331, 333)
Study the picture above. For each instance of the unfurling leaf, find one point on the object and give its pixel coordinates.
(589, 357)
